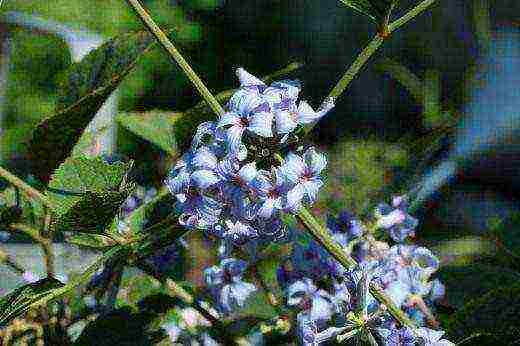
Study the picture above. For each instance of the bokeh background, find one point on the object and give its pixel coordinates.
(434, 114)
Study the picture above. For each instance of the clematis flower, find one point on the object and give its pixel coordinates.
(226, 284)
(304, 175)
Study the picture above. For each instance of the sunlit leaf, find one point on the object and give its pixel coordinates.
(22, 299)
(87, 193)
(86, 87)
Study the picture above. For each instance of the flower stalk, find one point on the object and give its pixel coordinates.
(24, 187)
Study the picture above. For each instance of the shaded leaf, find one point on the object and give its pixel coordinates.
(87, 86)
(155, 127)
(89, 240)
(464, 283)
(23, 298)
(121, 327)
(87, 193)
(377, 10)
(9, 215)
(495, 316)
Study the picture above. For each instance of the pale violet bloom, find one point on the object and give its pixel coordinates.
(226, 285)
(198, 210)
(395, 219)
(239, 232)
(438, 291)
(410, 281)
(397, 337)
(315, 304)
(420, 257)
(281, 92)
(250, 114)
(432, 337)
(288, 115)
(270, 189)
(303, 173)
(249, 82)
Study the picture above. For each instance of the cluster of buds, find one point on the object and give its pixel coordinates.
(233, 182)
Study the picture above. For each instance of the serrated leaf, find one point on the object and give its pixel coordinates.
(464, 283)
(21, 299)
(87, 193)
(377, 10)
(155, 127)
(495, 315)
(86, 87)
(89, 240)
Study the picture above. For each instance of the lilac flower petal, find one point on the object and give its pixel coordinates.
(261, 124)
(204, 159)
(248, 172)
(203, 130)
(311, 188)
(285, 123)
(294, 198)
(203, 178)
(315, 161)
(229, 119)
(178, 183)
(234, 138)
(306, 115)
(246, 79)
(293, 168)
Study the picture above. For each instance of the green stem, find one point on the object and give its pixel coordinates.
(176, 55)
(372, 47)
(414, 12)
(24, 187)
(322, 236)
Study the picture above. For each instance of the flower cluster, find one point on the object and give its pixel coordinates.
(332, 299)
(232, 182)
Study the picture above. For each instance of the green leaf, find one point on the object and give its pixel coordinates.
(377, 10)
(86, 87)
(155, 127)
(464, 283)
(23, 298)
(494, 316)
(9, 215)
(257, 306)
(92, 241)
(87, 193)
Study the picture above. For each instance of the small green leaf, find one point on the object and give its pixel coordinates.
(377, 10)
(86, 87)
(155, 127)
(87, 193)
(23, 298)
(89, 240)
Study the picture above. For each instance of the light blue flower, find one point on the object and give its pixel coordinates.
(198, 210)
(226, 284)
(270, 189)
(395, 219)
(315, 304)
(239, 232)
(288, 115)
(397, 337)
(304, 176)
(432, 337)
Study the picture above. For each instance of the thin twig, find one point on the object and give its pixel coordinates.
(24, 187)
(45, 243)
